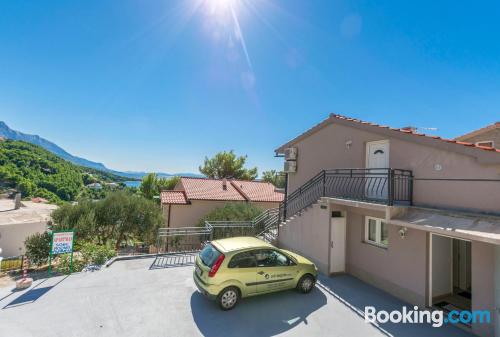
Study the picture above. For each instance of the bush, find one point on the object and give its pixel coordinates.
(64, 263)
(96, 254)
(38, 248)
(232, 211)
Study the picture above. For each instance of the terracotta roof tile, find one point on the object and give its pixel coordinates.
(212, 189)
(173, 197)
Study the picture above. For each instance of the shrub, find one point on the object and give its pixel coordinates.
(232, 211)
(96, 254)
(64, 263)
(38, 248)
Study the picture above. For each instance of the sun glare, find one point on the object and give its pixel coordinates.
(222, 6)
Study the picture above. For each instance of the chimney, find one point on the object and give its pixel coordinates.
(17, 201)
(410, 128)
(224, 184)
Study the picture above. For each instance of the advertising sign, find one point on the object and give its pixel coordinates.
(62, 242)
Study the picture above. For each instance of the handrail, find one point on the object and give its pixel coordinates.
(378, 185)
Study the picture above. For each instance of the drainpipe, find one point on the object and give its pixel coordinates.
(497, 291)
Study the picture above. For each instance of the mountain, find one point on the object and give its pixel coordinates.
(36, 172)
(8, 133)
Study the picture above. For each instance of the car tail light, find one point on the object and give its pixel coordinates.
(216, 265)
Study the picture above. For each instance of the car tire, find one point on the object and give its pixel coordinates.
(228, 298)
(306, 284)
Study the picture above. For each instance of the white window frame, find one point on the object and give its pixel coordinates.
(378, 231)
(485, 141)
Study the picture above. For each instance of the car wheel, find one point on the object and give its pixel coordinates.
(228, 298)
(306, 284)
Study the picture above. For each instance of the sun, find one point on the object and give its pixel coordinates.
(222, 6)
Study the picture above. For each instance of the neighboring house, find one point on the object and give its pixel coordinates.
(193, 198)
(415, 215)
(95, 186)
(17, 224)
(488, 136)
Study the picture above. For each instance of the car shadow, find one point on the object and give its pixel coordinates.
(264, 315)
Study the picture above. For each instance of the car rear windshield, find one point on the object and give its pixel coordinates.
(209, 255)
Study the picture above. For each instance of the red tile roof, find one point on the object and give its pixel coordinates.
(333, 117)
(479, 131)
(173, 197)
(212, 189)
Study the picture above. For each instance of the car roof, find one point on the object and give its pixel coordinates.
(238, 243)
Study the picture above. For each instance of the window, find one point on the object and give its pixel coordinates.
(488, 143)
(209, 255)
(376, 231)
(243, 260)
(271, 258)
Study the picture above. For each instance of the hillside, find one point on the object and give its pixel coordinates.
(8, 133)
(37, 172)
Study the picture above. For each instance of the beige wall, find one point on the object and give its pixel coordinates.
(326, 149)
(308, 234)
(12, 236)
(190, 215)
(399, 269)
(492, 135)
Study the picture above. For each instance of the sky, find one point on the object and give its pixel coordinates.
(158, 85)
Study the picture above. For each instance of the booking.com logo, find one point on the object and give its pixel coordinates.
(437, 317)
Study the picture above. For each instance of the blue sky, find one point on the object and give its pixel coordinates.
(157, 85)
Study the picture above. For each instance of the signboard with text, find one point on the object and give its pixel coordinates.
(62, 242)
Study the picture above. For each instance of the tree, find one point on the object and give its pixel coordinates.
(227, 165)
(38, 248)
(119, 217)
(274, 177)
(152, 185)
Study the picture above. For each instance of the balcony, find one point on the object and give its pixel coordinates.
(385, 186)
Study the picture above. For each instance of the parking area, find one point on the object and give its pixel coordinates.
(148, 297)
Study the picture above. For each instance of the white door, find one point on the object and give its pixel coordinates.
(337, 245)
(377, 157)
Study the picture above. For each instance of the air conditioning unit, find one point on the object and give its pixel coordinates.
(290, 166)
(291, 153)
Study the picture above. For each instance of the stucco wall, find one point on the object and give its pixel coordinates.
(399, 269)
(308, 234)
(12, 236)
(483, 283)
(189, 215)
(326, 149)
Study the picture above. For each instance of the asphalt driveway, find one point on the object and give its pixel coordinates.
(145, 297)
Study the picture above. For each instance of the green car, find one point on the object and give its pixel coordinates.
(229, 269)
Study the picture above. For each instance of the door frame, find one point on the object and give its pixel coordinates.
(330, 262)
(429, 264)
(367, 152)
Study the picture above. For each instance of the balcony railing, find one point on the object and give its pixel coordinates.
(383, 186)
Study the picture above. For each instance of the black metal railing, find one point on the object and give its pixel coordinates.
(12, 263)
(384, 186)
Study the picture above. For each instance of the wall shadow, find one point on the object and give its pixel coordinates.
(264, 315)
(356, 295)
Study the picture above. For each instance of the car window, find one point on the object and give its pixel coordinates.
(270, 258)
(209, 255)
(243, 260)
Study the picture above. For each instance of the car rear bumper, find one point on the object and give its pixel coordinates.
(203, 287)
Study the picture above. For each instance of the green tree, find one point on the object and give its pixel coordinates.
(119, 217)
(227, 165)
(38, 248)
(151, 185)
(274, 177)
